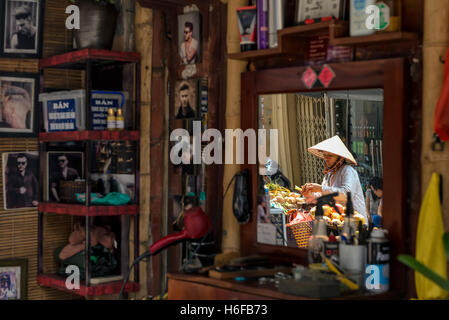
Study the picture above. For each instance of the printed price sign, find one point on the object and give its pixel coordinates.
(61, 115)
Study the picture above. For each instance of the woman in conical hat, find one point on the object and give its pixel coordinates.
(339, 175)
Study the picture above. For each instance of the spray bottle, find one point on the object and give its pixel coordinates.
(348, 232)
(319, 230)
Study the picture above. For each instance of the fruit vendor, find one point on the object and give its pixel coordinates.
(339, 174)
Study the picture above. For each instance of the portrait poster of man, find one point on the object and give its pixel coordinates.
(21, 26)
(9, 283)
(186, 99)
(20, 180)
(67, 166)
(189, 32)
(17, 99)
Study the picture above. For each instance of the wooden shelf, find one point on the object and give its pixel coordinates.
(83, 210)
(89, 135)
(58, 282)
(78, 59)
(289, 40)
(379, 39)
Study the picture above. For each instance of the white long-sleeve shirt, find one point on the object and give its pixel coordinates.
(344, 180)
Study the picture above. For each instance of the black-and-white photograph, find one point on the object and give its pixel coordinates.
(189, 31)
(62, 166)
(186, 99)
(21, 25)
(20, 179)
(17, 105)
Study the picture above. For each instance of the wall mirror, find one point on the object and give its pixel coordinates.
(302, 120)
(362, 102)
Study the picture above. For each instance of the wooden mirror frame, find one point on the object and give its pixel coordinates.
(388, 74)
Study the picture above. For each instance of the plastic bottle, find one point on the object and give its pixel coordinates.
(390, 15)
(377, 273)
(120, 120)
(358, 18)
(111, 120)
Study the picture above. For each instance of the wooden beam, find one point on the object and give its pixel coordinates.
(144, 45)
(156, 148)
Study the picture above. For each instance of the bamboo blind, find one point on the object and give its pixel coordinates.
(18, 228)
(57, 40)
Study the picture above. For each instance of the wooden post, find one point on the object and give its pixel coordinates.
(124, 34)
(231, 228)
(144, 45)
(435, 46)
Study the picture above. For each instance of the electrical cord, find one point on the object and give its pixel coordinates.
(125, 280)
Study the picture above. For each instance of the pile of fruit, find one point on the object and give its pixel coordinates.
(333, 218)
(281, 197)
(292, 204)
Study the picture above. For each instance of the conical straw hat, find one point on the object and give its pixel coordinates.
(332, 145)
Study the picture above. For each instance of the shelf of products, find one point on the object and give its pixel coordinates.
(290, 44)
(105, 160)
(59, 283)
(289, 40)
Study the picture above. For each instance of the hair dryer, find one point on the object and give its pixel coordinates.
(196, 225)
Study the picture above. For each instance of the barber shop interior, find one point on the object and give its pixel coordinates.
(223, 150)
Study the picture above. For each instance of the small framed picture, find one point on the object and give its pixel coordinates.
(62, 166)
(186, 99)
(13, 279)
(21, 180)
(21, 28)
(18, 100)
(189, 40)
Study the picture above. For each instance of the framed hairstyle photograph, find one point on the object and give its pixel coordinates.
(62, 166)
(21, 188)
(13, 279)
(18, 104)
(21, 28)
(186, 99)
(189, 40)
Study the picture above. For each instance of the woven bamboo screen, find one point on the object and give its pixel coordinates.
(18, 228)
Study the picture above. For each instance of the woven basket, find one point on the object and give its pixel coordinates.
(68, 189)
(300, 232)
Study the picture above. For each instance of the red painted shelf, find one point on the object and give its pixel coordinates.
(77, 59)
(82, 210)
(58, 282)
(89, 135)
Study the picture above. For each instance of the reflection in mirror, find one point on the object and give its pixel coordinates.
(345, 130)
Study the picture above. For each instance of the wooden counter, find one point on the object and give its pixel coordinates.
(183, 286)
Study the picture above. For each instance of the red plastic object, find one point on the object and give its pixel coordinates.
(88, 54)
(196, 225)
(89, 135)
(441, 116)
(82, 210)
(57, 282)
